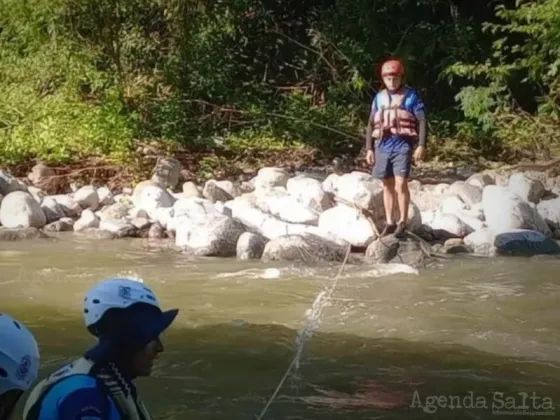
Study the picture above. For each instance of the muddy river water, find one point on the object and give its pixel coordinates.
(466, 339)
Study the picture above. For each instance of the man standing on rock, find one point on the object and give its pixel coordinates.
(397, 122)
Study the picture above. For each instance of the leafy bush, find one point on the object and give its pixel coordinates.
(83, 77)
(525, 53)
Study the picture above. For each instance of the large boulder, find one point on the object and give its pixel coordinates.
(359, 189)
(106, 197)
(481, 180)
(118, 210)
(347, 224)
(250, 246)
(258, 221)
(150, 196)
(200, 229)
(446, 225)
(403, 251)
(549, 210)
(9, 183)
(270, 177)
(87, 197)
(481, 242)
(278, 203)
(53, 209)
(218, 191)
(167, 172)
(40, 175)
(523, 242)
(67, 204)
(468, 193)
(87, 220)
(428, 198)
(506, 211)
(306, 248)
(309, 192)
(526, 187)
(215, 235)
(19, 209)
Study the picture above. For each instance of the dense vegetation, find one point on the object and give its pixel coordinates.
(250, 77)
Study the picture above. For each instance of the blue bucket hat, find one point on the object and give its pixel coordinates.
(124, 315)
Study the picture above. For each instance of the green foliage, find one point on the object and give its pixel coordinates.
(248, 77)
(55, 104)
(525, 58)
(58, 130)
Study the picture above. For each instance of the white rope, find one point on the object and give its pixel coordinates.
(295, 359)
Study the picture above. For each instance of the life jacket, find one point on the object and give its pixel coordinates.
(109, 378)
(391, 118)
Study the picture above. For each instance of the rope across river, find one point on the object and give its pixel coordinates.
(323, 298)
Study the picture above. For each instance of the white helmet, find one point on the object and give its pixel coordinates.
(114, 293)
(19, 355)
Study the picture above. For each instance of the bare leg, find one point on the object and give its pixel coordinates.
(389, 204)
(389, 199)
(403, 197)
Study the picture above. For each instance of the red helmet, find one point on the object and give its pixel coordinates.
(392, 67)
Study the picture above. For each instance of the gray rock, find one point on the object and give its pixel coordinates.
(250, 246)
(20, 234)
(306, 248)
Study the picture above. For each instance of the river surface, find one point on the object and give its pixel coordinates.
(460, 332)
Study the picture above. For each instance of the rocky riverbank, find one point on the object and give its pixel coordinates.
(282, 215)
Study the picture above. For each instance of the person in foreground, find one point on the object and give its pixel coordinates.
(397, 123)
(126, 318)
(19, 363)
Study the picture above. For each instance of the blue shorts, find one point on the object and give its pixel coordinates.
(392, 163)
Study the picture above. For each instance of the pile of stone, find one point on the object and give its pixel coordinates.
(279, 215)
